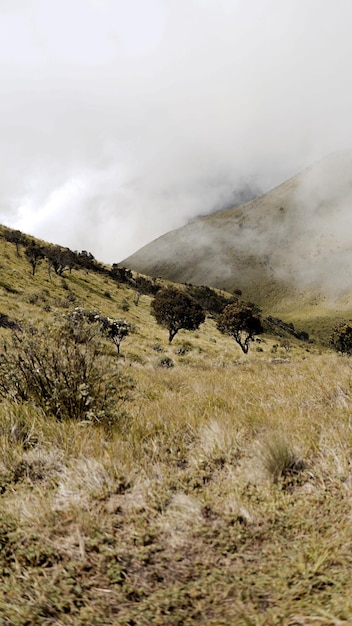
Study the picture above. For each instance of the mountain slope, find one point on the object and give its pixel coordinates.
(287, 250)
(217, 492)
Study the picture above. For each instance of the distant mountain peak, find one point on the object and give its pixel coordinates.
(294, 240)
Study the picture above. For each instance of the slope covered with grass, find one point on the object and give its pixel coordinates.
(220, 494)
(288, 250)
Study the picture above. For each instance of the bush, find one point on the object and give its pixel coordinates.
(208, 298)
(341, 338)
(158, 348)
(114, 329)
(63, 371)
(6, 322)
(279, 458)
(166, 362)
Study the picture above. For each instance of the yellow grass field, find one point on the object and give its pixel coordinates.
(221, 495)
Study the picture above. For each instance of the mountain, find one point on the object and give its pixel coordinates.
(289, 250)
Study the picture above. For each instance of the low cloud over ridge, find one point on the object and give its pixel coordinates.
(119, 124)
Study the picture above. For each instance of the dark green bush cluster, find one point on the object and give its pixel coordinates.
(6, 322)
(142, 284)
(341, 338)
(63, 370)
(208, 298)
(165, 361)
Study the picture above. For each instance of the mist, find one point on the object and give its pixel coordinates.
(121, 121)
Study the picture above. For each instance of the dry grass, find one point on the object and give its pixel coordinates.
(222, 496)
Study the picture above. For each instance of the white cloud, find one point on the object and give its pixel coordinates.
(132, 117)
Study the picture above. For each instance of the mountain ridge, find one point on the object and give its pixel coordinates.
(287, 249)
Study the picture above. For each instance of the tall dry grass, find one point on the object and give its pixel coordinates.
(221, 495)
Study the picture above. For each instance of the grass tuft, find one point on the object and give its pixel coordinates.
(279, 458)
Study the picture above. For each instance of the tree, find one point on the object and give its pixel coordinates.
(341, 338)
(60, 259)
(34, 255)
(16, 237)
(175, 310)
(115, 330)
(240, 320)
(85, 259)
(120, 274)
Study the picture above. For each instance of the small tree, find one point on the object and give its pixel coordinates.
(16, 237)
(175, 310)
(341, 338)
(85, 259)
(34, 256)
(115, 330)
(241, 321)
(60, 259)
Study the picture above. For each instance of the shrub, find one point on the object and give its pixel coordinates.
(279, 458)
(184, 348)
(63, 371)
(341, 338)
(158, 348)
(181, 351)
(120, 274)
(165, 361)
(114, 329)
(6, 322)
(208, 298)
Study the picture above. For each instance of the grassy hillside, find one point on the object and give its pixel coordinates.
(288, 250)
(219, 495)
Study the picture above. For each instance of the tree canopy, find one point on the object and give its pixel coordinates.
(175, 310)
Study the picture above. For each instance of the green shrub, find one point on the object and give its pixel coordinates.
(158, 348)
(63, 370)
(166, 362)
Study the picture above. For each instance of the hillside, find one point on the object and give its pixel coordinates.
(213, 489)
(288, 250)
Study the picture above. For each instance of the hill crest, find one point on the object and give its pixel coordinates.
(284, 249)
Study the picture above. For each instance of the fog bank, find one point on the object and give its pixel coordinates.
(121, 121)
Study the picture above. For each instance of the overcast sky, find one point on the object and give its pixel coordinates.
(123, 119)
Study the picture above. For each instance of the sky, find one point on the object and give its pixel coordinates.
(123, 119)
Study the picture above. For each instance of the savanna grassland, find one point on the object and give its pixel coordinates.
(218, 491)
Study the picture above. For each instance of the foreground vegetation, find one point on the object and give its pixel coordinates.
(219, 495)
